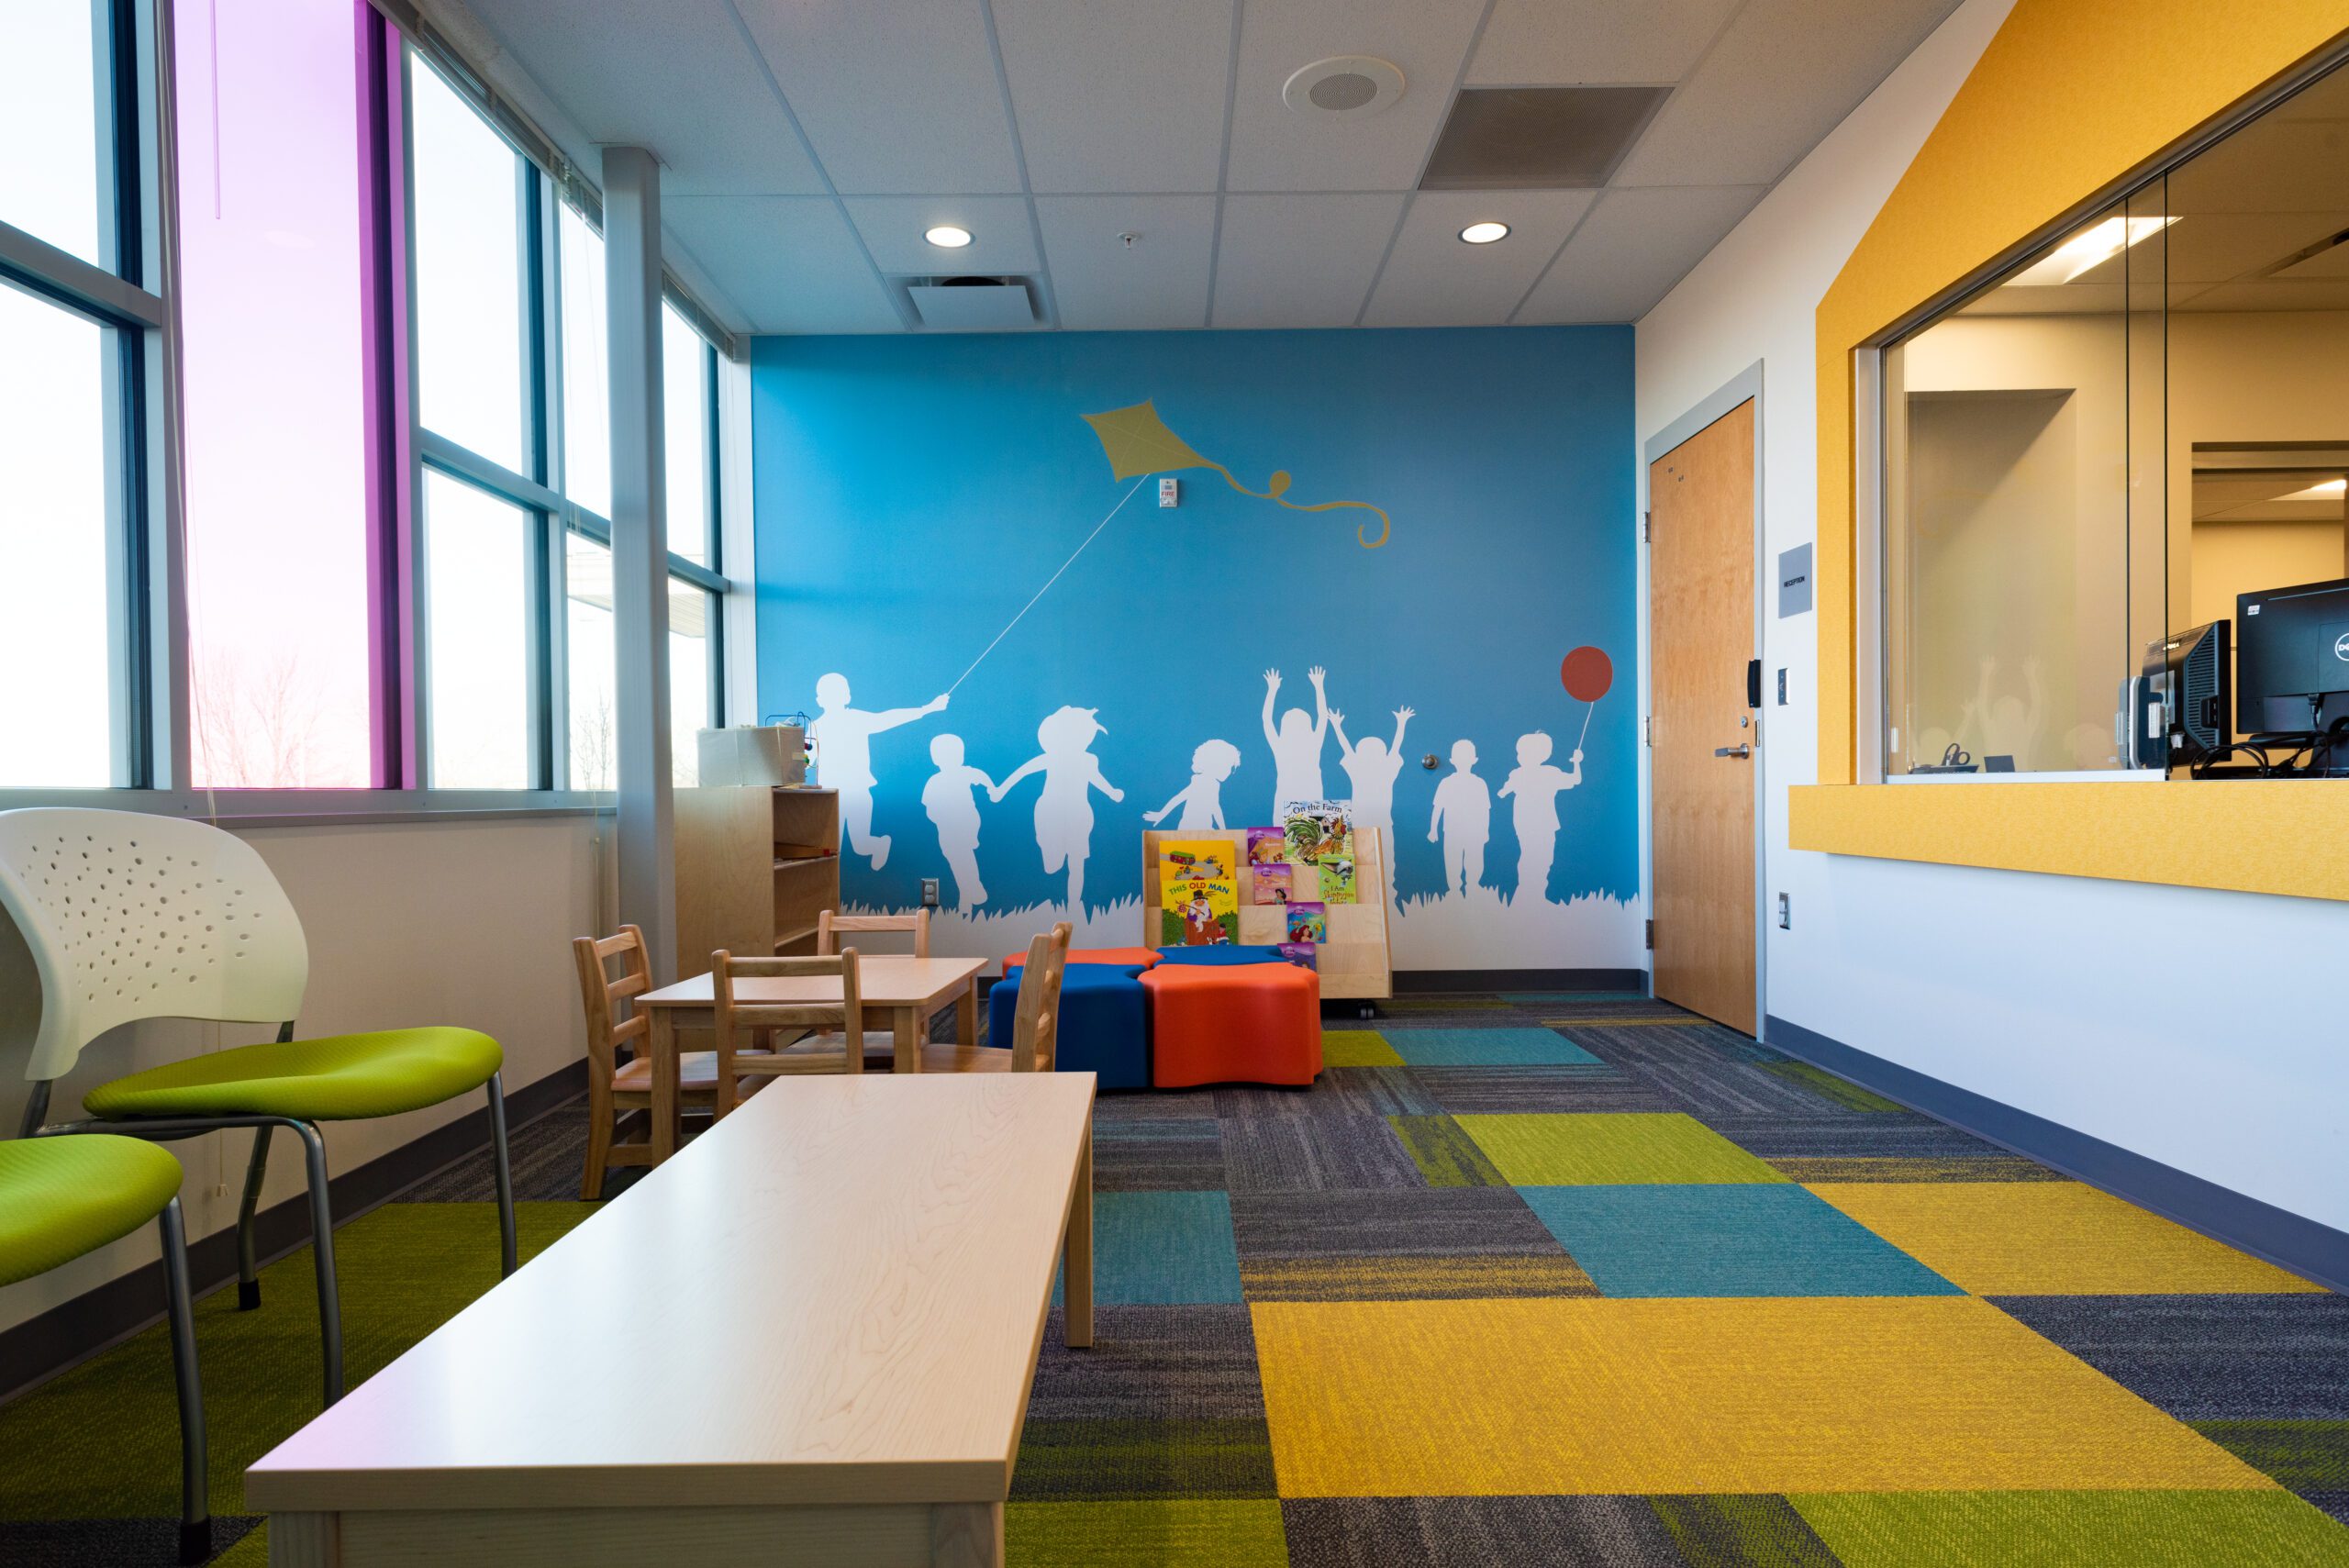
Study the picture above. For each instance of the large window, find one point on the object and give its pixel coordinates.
(371, 548)
(275, 291)
(80, 320)
(56, 525)
(2096, 466)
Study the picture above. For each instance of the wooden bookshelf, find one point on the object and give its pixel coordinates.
(1356, 963)
(747, 880)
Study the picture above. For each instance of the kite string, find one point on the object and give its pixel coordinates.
(1047, 583)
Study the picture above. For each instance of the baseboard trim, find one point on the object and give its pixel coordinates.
(71, 1332)
(2313, 1250)
(1420, 981)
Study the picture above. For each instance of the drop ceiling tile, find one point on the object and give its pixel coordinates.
(1274, 148)
(898, 99)
(1561, 42)
(736, 141)
(1436, 279)
(1101, 284)
(1300, 261)
(1632, 248)
(791, 263)
(2275, 294)
(1781, 76)
(893, 226)
(1119, 95)
(2270, 165)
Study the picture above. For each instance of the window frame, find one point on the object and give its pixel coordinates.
(149, 676)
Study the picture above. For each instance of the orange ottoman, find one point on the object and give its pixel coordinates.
(1129, 957)
(1256, 1023)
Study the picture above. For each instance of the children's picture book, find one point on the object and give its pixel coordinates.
(1267, 846)
(1275, 882)
(1305, 955)
(1318, 830)
(1198, 893)
(1337, 880)
(1307, 923)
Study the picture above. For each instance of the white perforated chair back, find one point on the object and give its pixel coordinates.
(132, 916)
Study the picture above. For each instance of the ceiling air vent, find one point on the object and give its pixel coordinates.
(972, 304)
(1516, 138)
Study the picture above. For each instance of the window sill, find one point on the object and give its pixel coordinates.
(242, 808)
(2101, 776)
(2274, 835)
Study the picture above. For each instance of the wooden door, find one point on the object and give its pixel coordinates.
(1700, 594)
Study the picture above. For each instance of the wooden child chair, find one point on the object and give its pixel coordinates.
(1035, 1026)
(880, 1045)
(616, 1087)
(843, 1019)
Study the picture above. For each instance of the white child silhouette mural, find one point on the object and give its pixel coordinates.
(1533, 789)
(948, 798)
(1371, 769)
(1296, 743)
(1202, 799)
(1064, 807)
(845, 754)
(1463, 819)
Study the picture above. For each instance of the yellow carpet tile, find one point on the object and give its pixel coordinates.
(1725, 1395)
(2050, 1238)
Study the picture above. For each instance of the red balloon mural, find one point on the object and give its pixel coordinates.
(1586, 673)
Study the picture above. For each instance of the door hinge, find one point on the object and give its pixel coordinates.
(1647, 730)
(1647, 527)
(1651, 936)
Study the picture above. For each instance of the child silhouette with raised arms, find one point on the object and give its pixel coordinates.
(1371, 768)
(1202, 799)
(1535, 784)
(1463, 817)
(1064, 807)
(948, 799)
(1297, 744)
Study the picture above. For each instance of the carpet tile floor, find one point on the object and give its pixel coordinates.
(1528, 1278)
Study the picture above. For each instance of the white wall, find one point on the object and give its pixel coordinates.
(455, 922)
(2103, 1006)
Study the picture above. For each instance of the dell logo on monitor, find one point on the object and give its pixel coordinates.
(2341, 646)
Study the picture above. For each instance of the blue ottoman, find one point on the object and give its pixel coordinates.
(1104, 1023)
(1220, 952)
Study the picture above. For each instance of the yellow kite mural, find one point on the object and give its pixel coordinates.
(1136, 441)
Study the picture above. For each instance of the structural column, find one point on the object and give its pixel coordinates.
(648, 890)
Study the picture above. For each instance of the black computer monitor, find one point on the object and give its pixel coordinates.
(2179, 709)
(2292, 658)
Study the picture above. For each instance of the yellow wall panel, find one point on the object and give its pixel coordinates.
(2071, 97)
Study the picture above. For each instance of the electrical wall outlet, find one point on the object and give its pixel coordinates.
(1785, 913)
(929, 893)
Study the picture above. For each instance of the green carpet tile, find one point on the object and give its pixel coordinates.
(1462, 1159)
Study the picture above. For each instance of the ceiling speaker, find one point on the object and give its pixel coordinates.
(1344, 87)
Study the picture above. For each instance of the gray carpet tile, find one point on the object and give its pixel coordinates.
(1843, 1135)
(1158, 1154)
(1695, 1076)
(1340, 1091)
(1150, 1363)
(1430, 1221)
(2206, 1357)
(1320, 1153)
(1467, 1091)
(106, 1543)
(1478, 1532)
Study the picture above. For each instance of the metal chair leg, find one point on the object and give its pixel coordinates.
(248, 1274)
(509, 1257)
(195, 1510)
(314, 1155)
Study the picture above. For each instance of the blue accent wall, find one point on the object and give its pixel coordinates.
(913, 492)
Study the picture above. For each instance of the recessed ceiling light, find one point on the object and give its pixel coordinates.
(1485, 233)
(947, 236)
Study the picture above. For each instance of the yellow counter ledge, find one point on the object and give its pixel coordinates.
(2251, 836)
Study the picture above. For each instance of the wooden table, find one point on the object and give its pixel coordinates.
(908, 991)
(809, 1339)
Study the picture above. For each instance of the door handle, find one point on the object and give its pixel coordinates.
(1740, 749)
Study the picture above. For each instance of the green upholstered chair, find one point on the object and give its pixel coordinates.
(60, 1197)
(130, 916)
